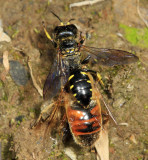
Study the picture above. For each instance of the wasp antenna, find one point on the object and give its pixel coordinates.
(57, 16)
(71, 20)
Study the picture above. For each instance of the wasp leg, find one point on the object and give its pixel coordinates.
(86, 60)
(99, 96)
(82, 39)
(47, 35)
(100, 79)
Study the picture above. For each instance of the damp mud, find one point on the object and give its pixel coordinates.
(106, 24)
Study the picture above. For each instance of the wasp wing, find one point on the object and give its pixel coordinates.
(57, 78)
(109, 57)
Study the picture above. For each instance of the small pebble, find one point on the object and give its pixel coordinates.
(119, 102)
(3, 35)
(18, 73)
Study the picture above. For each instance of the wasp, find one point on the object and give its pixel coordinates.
(69, 53)
(83, 113)
(83, 109)
(74, 87)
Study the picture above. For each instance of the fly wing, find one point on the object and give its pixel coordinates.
(109, 57)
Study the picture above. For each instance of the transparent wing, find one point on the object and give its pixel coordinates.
(55, 123)
(109, 57)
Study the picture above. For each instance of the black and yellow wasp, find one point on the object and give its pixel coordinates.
(69, 51)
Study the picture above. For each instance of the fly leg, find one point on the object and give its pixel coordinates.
(46, 110)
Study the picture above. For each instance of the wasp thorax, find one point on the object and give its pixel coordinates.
(68, 46)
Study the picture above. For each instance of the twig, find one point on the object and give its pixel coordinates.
(0, 151)
(6, 61)
(6, 66)
(17, 49)
(33, 156)
(140, 15)
(34, 81)
(123, 124)
(83, 3)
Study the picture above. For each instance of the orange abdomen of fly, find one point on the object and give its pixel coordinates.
(85, 123)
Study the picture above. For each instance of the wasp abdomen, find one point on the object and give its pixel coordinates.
(80, 86)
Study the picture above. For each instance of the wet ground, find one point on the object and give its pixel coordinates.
(106, 24)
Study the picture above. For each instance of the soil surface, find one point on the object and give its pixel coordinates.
(105, 25)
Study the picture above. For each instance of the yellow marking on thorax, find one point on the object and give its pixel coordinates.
(71, 77)
(90, 89)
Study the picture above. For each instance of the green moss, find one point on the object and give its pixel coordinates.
(15, 33)
(136, 36)
(1, 84)
(5, 97)
(145, 106)
(66, 7)
(48, 3)
(7, 151)
(36, 30)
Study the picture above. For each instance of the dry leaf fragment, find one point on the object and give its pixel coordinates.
(4, 36)
(133, 138)
(6, 61)
(6, 66)
(102, 146)
(70, 154)
(83, 3)
(34, 81)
